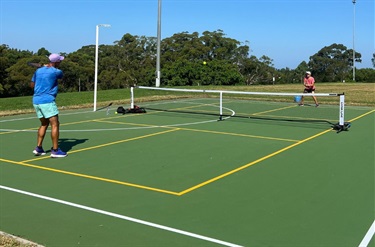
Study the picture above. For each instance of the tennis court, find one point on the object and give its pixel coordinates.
(176, 177)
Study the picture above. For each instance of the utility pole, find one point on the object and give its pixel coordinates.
(353, 39)
(157, 83)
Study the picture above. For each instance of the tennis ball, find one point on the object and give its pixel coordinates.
(115, 112)
(204, 62)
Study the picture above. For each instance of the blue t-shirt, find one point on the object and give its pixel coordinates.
(45, 89)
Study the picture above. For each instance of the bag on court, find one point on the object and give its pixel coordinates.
(120, 110)
(136, 109)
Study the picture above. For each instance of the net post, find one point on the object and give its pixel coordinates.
(221, 106)
(342, 109)
(131, 97)
(342, 125)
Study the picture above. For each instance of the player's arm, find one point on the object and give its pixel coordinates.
(312, 82)
(32, 83)
(59, 74)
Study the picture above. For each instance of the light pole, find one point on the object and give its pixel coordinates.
(96, 61)
(157, 83)
(353, 39)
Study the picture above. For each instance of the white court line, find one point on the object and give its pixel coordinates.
(117, 129)
(122, 129)
(370, 233)
(90, 111)
(35, 117)
(193, 235)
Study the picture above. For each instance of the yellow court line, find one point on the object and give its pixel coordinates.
(242, 135)
(251, 163)
(273, 110)
(207, 131)
(108, 144)
(298, 118)
(87, 121)
(285, 117)
(166, 191)
(365, 114)
(263, 158)
(102, 119)
(136, 124)
(91, 177)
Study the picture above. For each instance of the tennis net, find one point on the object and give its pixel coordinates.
(225, 104)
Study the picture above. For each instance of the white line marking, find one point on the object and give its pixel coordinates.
(34, 117)
(193, 235)
(122, 129)
(370, 233)
(117, 129)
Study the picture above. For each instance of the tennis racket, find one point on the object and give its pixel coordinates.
(36, 65)
(105, 107)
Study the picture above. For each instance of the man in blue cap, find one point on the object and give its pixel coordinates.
(45, 84)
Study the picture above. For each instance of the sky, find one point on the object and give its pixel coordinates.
(287, 31)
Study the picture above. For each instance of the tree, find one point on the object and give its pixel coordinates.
(134, 58)
(187, 59)
(183, 55)
(365, 75)
(19, 78)
(333, 63)
(83, 62)
(15, 74)
(43, 52)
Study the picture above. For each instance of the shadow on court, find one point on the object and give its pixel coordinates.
(67, 144)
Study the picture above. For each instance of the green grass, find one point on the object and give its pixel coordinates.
(361, 94)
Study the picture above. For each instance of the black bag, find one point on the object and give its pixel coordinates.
(136, 109)
(120, 110)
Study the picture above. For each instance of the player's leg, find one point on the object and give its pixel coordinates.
(41, 131)
(302, 98)
(55, 131)
(315, 100)
(51, 113)
(56, 152)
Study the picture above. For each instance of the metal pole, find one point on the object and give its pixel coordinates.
(96, 65)
(96, 61)
(353, 39)
(221, 106)
(131, 97)
(342, 110)
(157, 84)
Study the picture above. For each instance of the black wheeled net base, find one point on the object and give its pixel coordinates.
(340, 128)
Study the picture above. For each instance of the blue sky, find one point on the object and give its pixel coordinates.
(287, 31)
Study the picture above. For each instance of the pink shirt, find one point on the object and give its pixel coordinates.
(309, 82)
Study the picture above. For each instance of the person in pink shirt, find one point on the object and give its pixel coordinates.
(309, 83)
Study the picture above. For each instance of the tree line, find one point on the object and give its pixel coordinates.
(187, 59)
